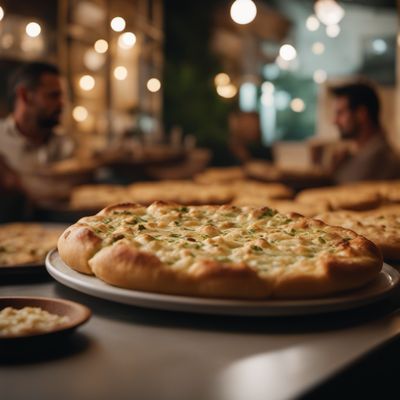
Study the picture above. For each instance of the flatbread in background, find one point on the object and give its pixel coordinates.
(221, 174)
(388, 190)
(341, 197)
(381, 226)
(259, 189)
(26, 243)
(96, 197)
(357, 196)
(184, 192)
(218, 251)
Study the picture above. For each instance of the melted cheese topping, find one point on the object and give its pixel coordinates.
(182, 236)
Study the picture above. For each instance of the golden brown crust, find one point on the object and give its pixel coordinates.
(119, 207)
(341, 197)
(77, 245)
(124, 266)
(381, 226)
(223, 251)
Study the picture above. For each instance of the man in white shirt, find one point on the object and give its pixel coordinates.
(28, 143)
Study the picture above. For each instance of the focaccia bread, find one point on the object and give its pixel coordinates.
(341, 197)
(26, 243)
(221, 174)
(259, 189)
(381, 226)
(96, 197)
(218, 251)
(180, 191)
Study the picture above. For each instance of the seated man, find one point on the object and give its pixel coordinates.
(27, 140)
(357, 118)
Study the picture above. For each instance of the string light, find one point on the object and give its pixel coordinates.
(101, 46)
(287, 52)
(297, 105)
(33, 29)
(227, 91)
(222, 79)
(154, 85)
(312, 23)
(80, 113)
(118, 24)
(87, 82)
(127, 40)
(120, 73)
(243, 11)
(329, 12)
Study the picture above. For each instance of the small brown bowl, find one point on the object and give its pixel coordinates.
(77, 315)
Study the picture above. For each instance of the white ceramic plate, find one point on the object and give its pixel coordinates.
(376, 290)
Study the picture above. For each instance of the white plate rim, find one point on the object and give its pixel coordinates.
(95, 287)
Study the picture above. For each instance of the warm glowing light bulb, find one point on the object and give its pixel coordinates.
(127, 40)
(1, 13)
(120, 73)
(287, 52)
(222, 79)
(297, 105)
(319, 76)
(329, 12)
(154, 85)
(33, 29)
(80, 113)
(101, 46)
(118, 24)
(227, 91)
(243, 11)
(87, 82)
(312, 23)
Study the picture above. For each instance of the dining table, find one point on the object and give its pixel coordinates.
(133, 352)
